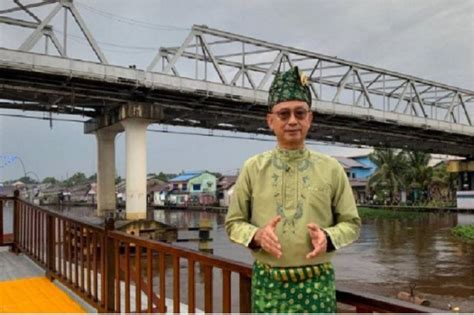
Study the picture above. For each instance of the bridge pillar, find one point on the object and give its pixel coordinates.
(135, 138)
(133, 117)
(106, 202)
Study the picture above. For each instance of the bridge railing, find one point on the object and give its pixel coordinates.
(117, 272)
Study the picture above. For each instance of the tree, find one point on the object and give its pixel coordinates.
(419, 174)
(443, 184)
(93, 177)
(27, 180)
(50, 180)
(162, 176)
(389, 177)
(76, 179)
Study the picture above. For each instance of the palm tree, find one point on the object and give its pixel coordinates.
(443, 184)
(390, 174)
(419, 174)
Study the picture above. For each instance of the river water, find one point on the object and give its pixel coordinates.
(389, 255)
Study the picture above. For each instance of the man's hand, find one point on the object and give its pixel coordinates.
(267, 239)
(318, 239)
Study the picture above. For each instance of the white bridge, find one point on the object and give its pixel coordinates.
(219, 80)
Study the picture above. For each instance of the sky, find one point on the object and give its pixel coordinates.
(429, 39)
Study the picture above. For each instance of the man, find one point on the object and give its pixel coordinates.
(293, 208)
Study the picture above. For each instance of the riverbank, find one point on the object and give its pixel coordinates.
(464, 232)
(441, 302)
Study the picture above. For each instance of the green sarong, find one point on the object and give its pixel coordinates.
(308, 289)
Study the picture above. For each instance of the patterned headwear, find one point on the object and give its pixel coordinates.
(289, 86)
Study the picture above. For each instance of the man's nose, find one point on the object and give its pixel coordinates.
(292, 120)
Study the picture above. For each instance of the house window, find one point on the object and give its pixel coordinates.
(175, 186)
(185, 187)
(353, 175)
(196, 187)
(348, 174)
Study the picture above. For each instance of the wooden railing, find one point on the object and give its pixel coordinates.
(117, 272)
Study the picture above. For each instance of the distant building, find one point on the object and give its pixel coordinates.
(353, 168)
(225, 188)
(358, 170)
(368, 169)
(193, 188)
(157, 190)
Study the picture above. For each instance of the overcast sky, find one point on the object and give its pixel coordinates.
(429, 39)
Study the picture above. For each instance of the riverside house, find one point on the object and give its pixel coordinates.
(193, 188)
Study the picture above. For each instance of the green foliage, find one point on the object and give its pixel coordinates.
(50, 180)
(418, 174)
(77, 178)
(371, 214)
(464, 232)
(410, 171)
(27, 180)
(388, 179)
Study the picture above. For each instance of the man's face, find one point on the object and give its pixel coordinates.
(290, 121)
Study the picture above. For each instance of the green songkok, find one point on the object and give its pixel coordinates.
(289, 86)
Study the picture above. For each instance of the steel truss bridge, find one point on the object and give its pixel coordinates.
(219, 80)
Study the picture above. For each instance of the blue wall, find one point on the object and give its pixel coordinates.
(363, 173)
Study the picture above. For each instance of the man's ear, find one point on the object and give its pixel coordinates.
(269, 119)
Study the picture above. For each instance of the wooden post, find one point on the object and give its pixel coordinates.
(50, 247)
(110, 266)
(16, 223)
(1, 222)
(245, 294)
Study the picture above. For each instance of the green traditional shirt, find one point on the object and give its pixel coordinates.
(302, 187)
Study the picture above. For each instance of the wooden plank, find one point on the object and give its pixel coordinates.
(69, 250)
(64, 240)
(191, 287)
(245, 297)
(1, 223)
(103, 277)
(76, 258)
(208, 294)
(127, 278)
(162, 273)
(36, 235)
(138, 278)
(226, 291)
(88, 262)
(94, 267)
(117, 276)
(81, 250)
(149, 265)
(176, 285)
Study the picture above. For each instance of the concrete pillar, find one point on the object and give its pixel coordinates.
(135, 138)
(105, 171)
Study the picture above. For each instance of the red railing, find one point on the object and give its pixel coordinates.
(117, 272)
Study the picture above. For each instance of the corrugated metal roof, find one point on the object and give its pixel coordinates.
(349, 163)
(186, 176)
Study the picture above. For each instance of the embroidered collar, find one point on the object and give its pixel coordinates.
(291, 155)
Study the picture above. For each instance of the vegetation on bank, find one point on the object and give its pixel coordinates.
(370, 214)
(408, 171)
(464, 232)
